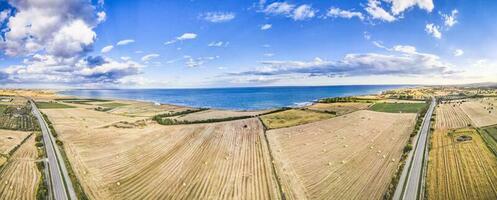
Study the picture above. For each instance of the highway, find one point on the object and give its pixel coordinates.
(410, 185)
(61, 184)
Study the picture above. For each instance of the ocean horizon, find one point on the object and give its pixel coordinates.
(235, 98)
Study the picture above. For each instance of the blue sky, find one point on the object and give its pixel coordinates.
(94, 44)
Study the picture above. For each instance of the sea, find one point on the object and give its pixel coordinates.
(246, 98)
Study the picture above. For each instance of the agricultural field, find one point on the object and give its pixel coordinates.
(483, 112)
(19, 177)
(145, 109)
(18, 117)
(339, 108)
(398, 107)
(451, 116)
(228, 160)
(489, 135)
(217, 114)
(52, 105)
(86, 118)
(293, 117)
(353, 156)
(461, 169)
(10, 139)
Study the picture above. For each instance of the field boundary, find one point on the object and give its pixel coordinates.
(280, 188)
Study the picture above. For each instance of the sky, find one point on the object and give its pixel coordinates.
(200, 43)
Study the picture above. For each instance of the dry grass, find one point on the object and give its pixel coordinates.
(451, 116)
(461, 170)
(347, 157)
(19, 177)
(204, 161)
(292, 117)
(217, 114)
(339, 108)
(478, 111)
(9, 139)
(144, 109)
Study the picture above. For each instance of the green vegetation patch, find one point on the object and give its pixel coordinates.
(293, 117)
(346, 99)
(399, 107)
(17, 118)
(489, 135)
(3, 108)
(112, 105)
(52, 105)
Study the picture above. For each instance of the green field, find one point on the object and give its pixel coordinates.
(81, 101)
(2, 108)
(52, 105)
(112, 105)
(489, 134)
(399, 107)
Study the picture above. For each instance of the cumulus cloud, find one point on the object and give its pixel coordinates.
(184, 36)
(60, 28)
(458, 52)
(4, 14)
(218, 17)
(52, 69)
(397, 7)
(107, 49)
(266, 27)
(303, 12)
(433, 30)
(297, 13)
(149, 57)
(101, 16)
(377, 12)
(450, 20)
(125, 42)
(337, 12)
(404, 60)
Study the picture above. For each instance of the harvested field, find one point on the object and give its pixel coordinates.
(483, 112)
(339, 108)
(10, 139)
(451, 116)
(398, 107)
(19, 177)
(461, 170)
(347, 157)
(292, 117)
(217, 114)
(228, 160)
(145, 109)
(86, 118)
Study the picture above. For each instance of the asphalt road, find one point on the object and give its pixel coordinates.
(410, 182)
(56, 165)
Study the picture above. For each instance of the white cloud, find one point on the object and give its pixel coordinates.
(450, 20)
(337, 12)
(61, 28)
(125, 42)
(149, 57)
(218, 17)
(279, 8)
(377, 12)
(303, 12)
(218, 44)
(101, 16)
(397, 7)
(367, 36)
(184, 36)
(266, 26)
(269, 54)
(405, 61)
(458, 52)
(106, 49)
(192, 62)
(187, 36)
(433, 30)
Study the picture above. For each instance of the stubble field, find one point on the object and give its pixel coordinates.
(19, 177)
(347, 157)
(228, 160)
(483, 112)
(451, 116)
